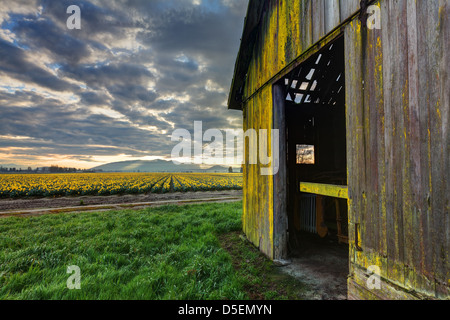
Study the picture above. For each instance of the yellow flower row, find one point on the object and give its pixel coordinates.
(113, 183)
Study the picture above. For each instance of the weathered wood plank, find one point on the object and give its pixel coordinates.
(443, 57)
(398, 53)
(413, 143)
(306, 25)
(359, 289)
(397, 117)
(389, 36)
(439, 127)
(282, 33)
(279, 180)
(425, 73)
(374, 122)
(370, 140)
(332, 15)
(355, 171)
(318, 21)
(321, 228)
(293, 45)
(381, 146)
(348, 8)
(325, 190)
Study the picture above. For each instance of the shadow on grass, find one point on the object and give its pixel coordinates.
(261, 279)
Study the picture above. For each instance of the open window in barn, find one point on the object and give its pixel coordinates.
(316, 171)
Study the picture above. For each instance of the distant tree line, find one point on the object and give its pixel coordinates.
(58, 169)
(51, 169)
(18, 170)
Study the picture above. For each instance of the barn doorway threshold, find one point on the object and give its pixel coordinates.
(311, 110)
(323, 265)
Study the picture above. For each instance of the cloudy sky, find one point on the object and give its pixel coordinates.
(116, 89)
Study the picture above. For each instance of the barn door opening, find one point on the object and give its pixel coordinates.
(316, 170)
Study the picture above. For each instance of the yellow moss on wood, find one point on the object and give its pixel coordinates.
(325, 190)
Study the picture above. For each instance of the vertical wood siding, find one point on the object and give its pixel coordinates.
(258, 189)
(287, 30)
(397, 101)
(398, 138)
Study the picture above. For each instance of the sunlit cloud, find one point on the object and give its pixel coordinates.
(116, 89)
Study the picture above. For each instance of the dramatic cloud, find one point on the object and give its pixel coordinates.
(117, 88)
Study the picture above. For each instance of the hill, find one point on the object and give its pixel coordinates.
(157, 166)
(11, 165)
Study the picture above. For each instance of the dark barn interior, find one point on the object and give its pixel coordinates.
(316, 153)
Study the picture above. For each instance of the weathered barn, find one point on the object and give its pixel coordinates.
(360, 93)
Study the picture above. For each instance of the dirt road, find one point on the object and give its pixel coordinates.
(85, 202)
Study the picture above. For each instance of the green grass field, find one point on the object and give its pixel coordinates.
(188, 252)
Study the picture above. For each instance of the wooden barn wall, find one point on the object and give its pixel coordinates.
(258, 189)
(398, 136)
(397, 93)
(288, 28)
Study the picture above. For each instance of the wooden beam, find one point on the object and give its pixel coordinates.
(280, 216)
(322, 229)
(325, 190)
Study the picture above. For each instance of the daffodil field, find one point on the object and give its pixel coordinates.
(53, 185)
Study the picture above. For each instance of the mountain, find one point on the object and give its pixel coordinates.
(11, 165)
(156, 166)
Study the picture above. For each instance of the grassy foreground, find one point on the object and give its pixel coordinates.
(169, 252)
